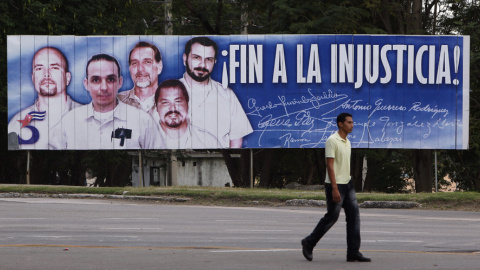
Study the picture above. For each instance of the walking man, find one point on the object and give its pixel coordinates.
(340, 193)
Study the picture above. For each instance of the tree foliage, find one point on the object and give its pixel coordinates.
(386, 174)
(462, 166)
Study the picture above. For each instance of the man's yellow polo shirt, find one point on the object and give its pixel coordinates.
(340, 150)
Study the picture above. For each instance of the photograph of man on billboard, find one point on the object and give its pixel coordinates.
(145, 65)
(95, 125)
(212, 107)
(172, 101)
(50, 77)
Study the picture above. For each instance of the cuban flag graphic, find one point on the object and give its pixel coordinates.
(32, 116)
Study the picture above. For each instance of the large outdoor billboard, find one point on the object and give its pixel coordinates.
(249, 91)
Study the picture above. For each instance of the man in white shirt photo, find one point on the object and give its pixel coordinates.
(50, 77)
(212, 107)
(171, 99)
(106, 123)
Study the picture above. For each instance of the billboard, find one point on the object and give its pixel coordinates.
(245, 91)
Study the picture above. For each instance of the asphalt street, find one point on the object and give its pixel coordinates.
(46, 233)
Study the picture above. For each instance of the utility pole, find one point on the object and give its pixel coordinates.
(244, 31)
(244, 19)
(172, 161)
(168, 18)
(435, 18)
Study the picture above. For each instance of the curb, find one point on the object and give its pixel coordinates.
(93, 196)
(294, 202)
(304, 202)
(366, 204)
(389, 204)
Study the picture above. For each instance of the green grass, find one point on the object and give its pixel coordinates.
(229, 196)
(245, 193)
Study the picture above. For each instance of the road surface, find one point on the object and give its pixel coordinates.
(47, 233)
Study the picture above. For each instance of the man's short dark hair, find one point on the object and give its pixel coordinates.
(204, 41)
(56, 49)
(342, 117)
(143, 44)
(103, 56)
(172, 84)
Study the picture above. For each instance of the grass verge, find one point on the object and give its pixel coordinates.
(466, 201)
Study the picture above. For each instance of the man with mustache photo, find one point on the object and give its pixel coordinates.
(50, 77)
(212, 108)
(145, 64)
(171, 110)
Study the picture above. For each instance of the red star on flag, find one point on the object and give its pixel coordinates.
(26, 121)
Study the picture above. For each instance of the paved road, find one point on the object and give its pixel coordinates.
(111, 234)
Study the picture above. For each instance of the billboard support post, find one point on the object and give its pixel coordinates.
(251, 168)
(140, 168)
(436, 170)
(28, 167)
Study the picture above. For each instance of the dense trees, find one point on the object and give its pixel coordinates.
(462, 166)
(273, 167)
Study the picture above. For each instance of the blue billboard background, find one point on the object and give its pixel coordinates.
(403, 91)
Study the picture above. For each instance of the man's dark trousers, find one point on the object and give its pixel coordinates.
(352, 214)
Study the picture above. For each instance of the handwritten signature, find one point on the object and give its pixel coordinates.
(302, 123)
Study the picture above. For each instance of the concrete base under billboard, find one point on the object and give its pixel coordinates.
(194, 169)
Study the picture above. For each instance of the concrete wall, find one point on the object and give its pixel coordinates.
(211, 172)
(197, 170)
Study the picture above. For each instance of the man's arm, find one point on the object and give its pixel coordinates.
(236, 143)
(331, 174)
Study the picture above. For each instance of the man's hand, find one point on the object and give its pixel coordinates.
(336, 195)
(331, 174)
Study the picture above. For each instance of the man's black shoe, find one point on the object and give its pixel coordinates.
(358, 258)
(307, 250)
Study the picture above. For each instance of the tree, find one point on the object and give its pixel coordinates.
(405, 17)
(462, 166)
